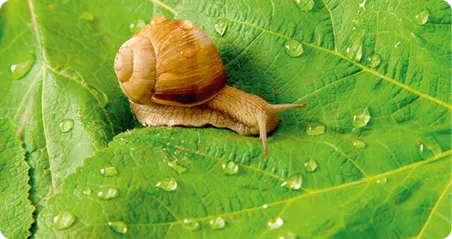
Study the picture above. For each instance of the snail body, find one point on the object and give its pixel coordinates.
(172, 74)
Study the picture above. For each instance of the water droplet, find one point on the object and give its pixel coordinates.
(382, 180)
(293, 48)
(293, 182)
(190, 51)
(134, 27)
(109, 171)
(276, 224)
(230, 168)
(220, 26)
(107, 193)
(176, 167)
(359, 144)
(119, 227)
(288, 235)
(429, 147)
(375, 60)
(157, 20)
(305, 5)
(87, 16)
(23, 66)
(191, 224)
(310, 165)
(66, 125)
(422, 17)
(87, 192)
(363, 5)
(217, 223)
(63, 220)
(167, 184)
(355, 51)
(264, 206)
(187, 25)
(361, 120)
(315, 129)
(397, 44)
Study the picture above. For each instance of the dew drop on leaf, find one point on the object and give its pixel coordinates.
(359, 144)
(230, 168)
(375, 60)
(276, 224)
(293, 48)
(87, 16)
(107, 193)
(363, 4)
(191, 224)
(355, 50)
(87, 192)
(428, 147)
(293, 182)
(167, 184)
(176, 167)
(288, 235)
(119, 227)
(310, 165)
(361, 120)
(66, 125)
(190, 51)
(109, 171)
(305, 5)
(217, 223)
(220, 26)
(63, 220)
(187, 25)
(134, 27)
(157, 20)
(22, 66)
(382, 180)
(315, 129)
(422, 17)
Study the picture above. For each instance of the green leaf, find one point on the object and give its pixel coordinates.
(58, 87)
(375, 74)
(15, 210)
(334, 201)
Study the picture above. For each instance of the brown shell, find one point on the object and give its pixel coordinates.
(187, 69)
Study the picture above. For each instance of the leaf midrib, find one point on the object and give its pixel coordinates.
(44, 67)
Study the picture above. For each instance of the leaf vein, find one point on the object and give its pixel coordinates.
(434, 209)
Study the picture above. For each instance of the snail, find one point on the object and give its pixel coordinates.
(173, 76)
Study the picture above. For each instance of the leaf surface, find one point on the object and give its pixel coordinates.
(15, 210)
(332, 203)
(68, 104)
(396, 185)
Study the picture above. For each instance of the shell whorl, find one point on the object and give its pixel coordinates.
(170, 62)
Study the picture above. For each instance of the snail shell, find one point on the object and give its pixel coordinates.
(170, 62)
(171, 72)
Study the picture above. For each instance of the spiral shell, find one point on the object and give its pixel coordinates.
(170, 62)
